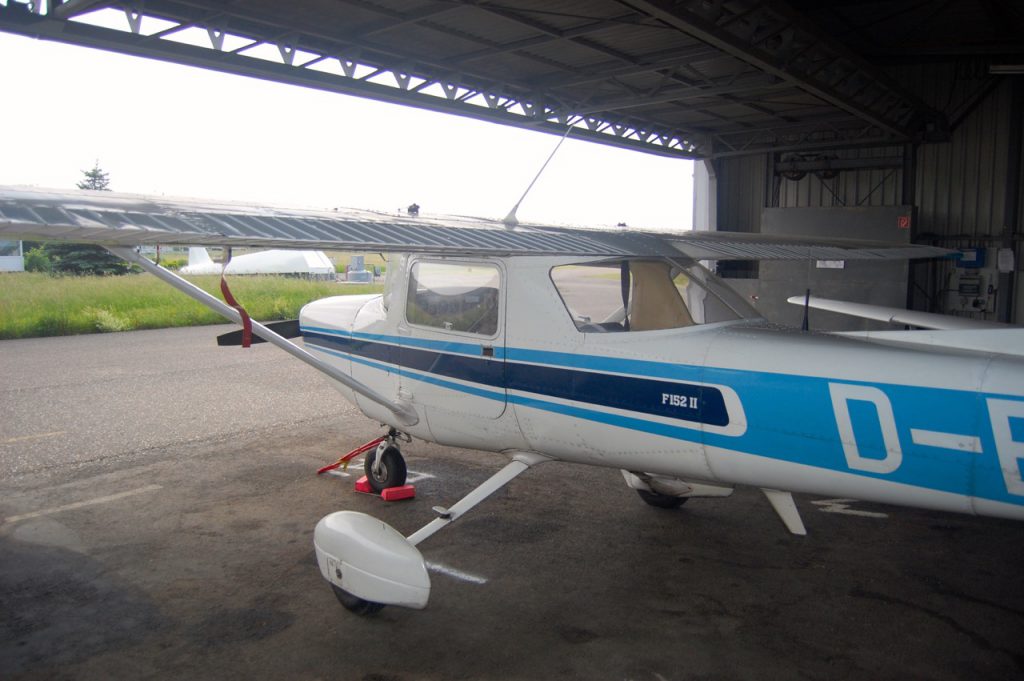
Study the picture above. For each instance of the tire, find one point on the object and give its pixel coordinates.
(661, 500)
(355, 604)
(392, 470)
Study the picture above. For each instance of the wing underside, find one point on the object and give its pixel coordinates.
(113, 219)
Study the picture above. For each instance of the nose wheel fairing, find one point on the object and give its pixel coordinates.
(372, 564)
(370, 560)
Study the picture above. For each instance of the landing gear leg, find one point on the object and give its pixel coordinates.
(385, 467)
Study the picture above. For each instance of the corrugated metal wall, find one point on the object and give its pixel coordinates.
(961, 187)
(744, 189)
(741, 192)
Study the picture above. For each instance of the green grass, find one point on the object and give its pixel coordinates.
(33, 304)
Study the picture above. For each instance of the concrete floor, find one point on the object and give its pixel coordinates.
(158, 497)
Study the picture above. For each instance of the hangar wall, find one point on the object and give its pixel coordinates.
(966, 192)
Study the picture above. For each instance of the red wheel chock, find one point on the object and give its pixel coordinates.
(388, 494)
(362, 485)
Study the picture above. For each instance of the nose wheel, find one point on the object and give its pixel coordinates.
(385, 467)
(355, 604)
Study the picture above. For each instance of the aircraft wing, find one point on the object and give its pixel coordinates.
(896, 315)
(748, 246)
(114, 219)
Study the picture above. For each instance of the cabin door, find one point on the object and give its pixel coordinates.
(452, 338)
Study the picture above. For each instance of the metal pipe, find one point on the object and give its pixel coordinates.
(1011, 208)
(405, 413)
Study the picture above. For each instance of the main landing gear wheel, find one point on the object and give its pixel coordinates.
(356, 604)
(661, 500)
(390, 473)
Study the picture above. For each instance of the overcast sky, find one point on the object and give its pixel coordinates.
(166, 129)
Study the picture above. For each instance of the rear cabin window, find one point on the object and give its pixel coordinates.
(634, 295)
(454, 297)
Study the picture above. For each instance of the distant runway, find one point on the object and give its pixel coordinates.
(157, 501)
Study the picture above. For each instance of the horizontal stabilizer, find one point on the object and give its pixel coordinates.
(287, 329)
(896, 315)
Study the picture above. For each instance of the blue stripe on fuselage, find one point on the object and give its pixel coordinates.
(667, 399)
(789, 417)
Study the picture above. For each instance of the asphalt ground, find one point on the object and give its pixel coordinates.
(158, 498)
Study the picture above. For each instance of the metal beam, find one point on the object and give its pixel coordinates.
(501, 107)
(69, 8)
(778, 45)
(870, 163)
(746, 86)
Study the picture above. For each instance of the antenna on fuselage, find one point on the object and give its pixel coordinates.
(510, 220)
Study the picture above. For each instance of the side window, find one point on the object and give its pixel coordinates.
(454, 297)
(635, 295)
(592, 294)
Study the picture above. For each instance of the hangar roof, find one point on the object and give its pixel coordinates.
(689, 78)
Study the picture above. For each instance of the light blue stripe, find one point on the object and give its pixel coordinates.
(790, 417)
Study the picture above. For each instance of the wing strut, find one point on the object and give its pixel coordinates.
(405, 413)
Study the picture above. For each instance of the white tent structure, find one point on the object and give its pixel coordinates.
(275, 261)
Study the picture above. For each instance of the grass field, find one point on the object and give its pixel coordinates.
(33, 305)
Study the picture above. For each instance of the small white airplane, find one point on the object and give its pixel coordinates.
(614, 349)
(272, 261)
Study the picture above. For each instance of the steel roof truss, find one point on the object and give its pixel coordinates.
(539, 110)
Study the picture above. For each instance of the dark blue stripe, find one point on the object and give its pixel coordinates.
(474, 369)
(669, 399)
(644, 395)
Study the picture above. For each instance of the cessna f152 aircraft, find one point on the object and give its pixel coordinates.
(613, 349)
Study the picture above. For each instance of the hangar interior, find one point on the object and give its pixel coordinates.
(895, 120)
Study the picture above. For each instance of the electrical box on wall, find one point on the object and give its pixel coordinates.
(973, 283)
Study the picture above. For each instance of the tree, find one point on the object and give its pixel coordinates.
(36, 260)
(80, 258)
(95, 179)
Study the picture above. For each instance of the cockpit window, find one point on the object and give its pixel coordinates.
(642, 295)
(454, 296)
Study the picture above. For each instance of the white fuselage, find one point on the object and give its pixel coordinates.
(732, 402)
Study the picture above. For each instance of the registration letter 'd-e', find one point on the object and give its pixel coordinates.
(842, 394)
(1009, 444)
